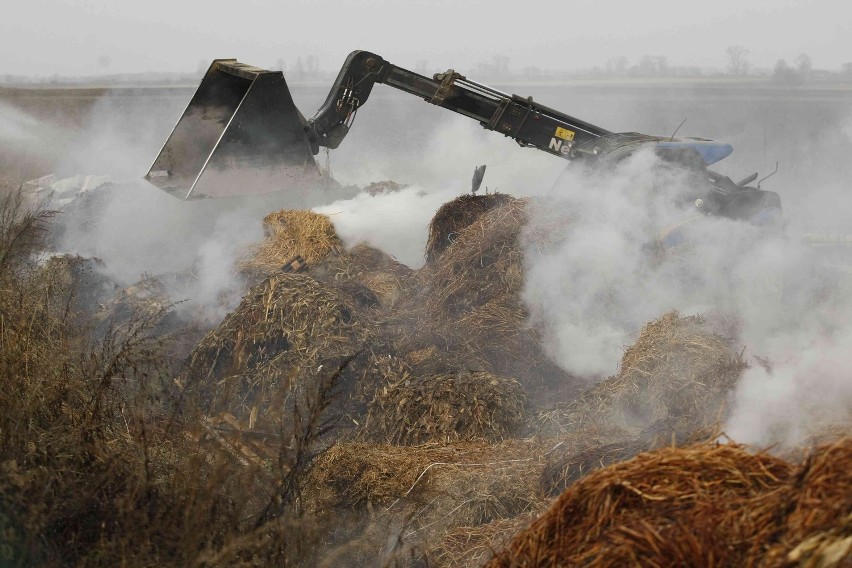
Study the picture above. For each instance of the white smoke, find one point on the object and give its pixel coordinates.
(17, 126)
(394, 222)
(397, 222)
(599, 275)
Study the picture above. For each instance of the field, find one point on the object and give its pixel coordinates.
(246, 384)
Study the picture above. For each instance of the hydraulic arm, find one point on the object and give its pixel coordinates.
(526, 121)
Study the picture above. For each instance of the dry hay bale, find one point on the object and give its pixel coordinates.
(468, 300)
(288, 234)
(150, 299)
(677, 369)
(426, 490)
(447, 407)
(819, 523)
(454, 216)
(285, 332)
(483, 263)
(695, 506)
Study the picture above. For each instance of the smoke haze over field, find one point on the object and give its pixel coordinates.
(592, 284)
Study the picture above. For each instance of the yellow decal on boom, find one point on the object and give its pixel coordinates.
(564, 133)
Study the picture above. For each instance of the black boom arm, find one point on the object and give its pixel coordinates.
(529, 123)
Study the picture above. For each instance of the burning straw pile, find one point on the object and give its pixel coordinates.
(454, 216)
(286, 331)
(469, 304)
(681, 506)
(678, 371)
(696, 506)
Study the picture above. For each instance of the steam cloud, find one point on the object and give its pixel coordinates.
(598, 278)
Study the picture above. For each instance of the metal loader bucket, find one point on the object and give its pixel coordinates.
(241, 134)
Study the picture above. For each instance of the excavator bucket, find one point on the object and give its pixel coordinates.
(241, 134)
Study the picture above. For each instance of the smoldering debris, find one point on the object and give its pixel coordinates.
(678, 369)
(448, 429)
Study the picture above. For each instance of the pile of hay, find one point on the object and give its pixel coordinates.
(697, 506)
(288, 234)
(147, 297)
(288, 330)
(454, 216)
(485, 260)
(468, 303)
(372, 277)
(678, 370)
(701, 505)
(420, 493)
(445, 408)
(818, 528)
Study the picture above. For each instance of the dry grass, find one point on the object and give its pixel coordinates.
(818, 528)
(454, 216)
(288, 234)
(447, 407)
(473, 547)
(366, 268)
(419, 493)
(287, 329)
(100, 462)
(104, 460)
(466, 302)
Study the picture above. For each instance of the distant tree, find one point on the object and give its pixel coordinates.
(738, 62)
(846, 68)
(804, 64)
(279, 64)
(312, 65)
(617, 65)
(786, 75)
(501, 65)
(651, 66)
(104, 61)
(531, 72)
(662, 65)
(647, 64)
(498, 67)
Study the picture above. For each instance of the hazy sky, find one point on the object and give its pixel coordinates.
(83, 37)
